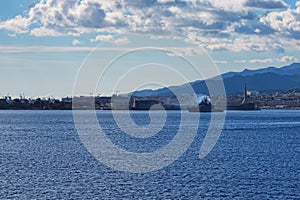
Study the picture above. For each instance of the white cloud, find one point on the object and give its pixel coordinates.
(18, 25)
(232, 5)
(42, 32)
(165, 1)
(184, 51)
(220, 61)
(73, 18)
(247, 43)
(233, 25)
(256, 61)
(287, 59)
(240, 61)
(219, 47)
(76, 42)
(57, 18)
(286, 22)
(110, 39)
(267, 60)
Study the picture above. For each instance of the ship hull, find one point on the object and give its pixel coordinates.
(246, 106)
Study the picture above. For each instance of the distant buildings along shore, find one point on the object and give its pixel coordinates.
(272, 100)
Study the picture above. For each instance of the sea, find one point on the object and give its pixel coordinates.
(257, 156)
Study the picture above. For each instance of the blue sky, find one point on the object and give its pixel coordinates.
(44, 43)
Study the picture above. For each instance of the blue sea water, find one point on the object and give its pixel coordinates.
(256, 157)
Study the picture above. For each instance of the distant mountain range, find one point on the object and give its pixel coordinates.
(261, 80)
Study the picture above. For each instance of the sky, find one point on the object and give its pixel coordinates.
(45, 44)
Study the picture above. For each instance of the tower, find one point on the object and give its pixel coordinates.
(245, 94)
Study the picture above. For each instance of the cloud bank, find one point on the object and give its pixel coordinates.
(218, 25)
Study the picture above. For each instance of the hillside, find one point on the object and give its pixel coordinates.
(261, 80)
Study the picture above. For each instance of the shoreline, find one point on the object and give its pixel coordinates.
(261, 109)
